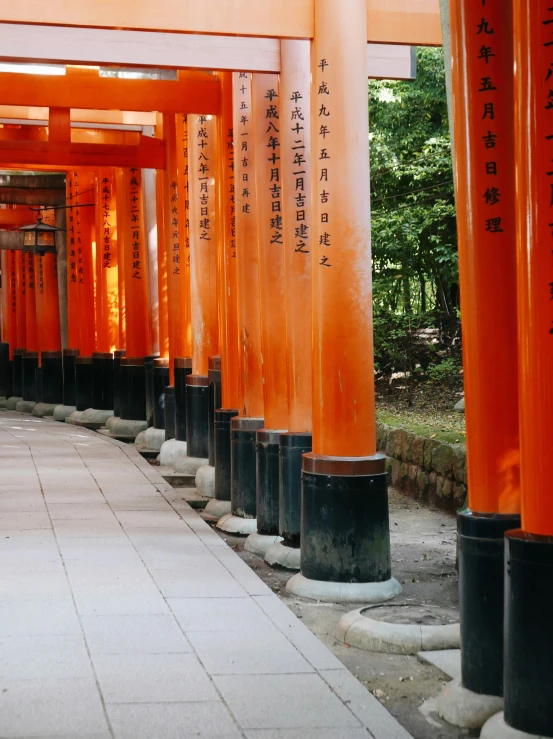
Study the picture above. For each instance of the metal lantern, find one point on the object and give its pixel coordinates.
(39, 237)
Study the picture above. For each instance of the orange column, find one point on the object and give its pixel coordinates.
(11, 274)
(295, 81)
(203, 240)
(343, 367)
(21, 304)
(247, 265)
(121, 248)
(270, 231)
(485, 196)
(47, 300)
(135, 265)
(533, 23)
(73, 335)
(185, 311)
(162, 265)
(30, 302)
(5, 305)
(228, 305)
(107, 284)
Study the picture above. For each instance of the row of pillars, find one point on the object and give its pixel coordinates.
(263, 260)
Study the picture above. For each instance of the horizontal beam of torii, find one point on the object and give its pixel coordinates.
(411, 22)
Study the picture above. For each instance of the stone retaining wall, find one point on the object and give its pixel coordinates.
(427, 470)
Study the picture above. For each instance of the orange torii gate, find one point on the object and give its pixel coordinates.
(344, 543)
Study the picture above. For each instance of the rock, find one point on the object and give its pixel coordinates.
(417, 450)
(429, 446)
(460, 406)
(460, 462)
(443, 458)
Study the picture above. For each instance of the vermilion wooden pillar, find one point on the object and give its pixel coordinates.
(295, 138)
(227, 304)
(344, 480)
(6, 347)
(528, 680)
(20, 323)
(245, 426)
(30, 358)
(482, 78)
(202, 153)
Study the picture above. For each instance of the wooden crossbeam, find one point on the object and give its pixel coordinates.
(79, 115)
(412, 22)
(193, 92)
(15, 217)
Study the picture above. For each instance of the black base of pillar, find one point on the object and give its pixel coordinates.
(69, 356)
(292, 448)
(133, 389)
(169, 412)
(197, 404)
(117, 357)
(5, 373)
(83, 383)
(39, 385)
(183, 368)
(222, 452)
(161, 381)
(102, 381)
(52, 377)
(215, 401)
(345, 532)
(268, 481)
(243, 463)
(30, 364)
(528, 675)
(149, 388)
(481, 596)
(17, 372)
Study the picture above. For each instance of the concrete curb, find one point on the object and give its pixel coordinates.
(237, 525)
(259, 543)
(496, 728)
(358, 630)
(468, 710)
(283, 556)
(343, 592)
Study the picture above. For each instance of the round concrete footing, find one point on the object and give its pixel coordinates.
(205, 481)
(237, 525)
(468, 710)
(259, 543)
(75, 418)
(25, 406)
(343, 592)
(125, 429)
(93, 415)
(171, 450)
(3, 401)
(283, 556)
(61, 412)
(496, 728)
(12, 402)
(153, 438)
(217, 508)
(358, 630)
(189, 465)
(41, 410)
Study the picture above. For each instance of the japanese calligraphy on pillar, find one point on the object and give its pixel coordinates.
(296, 136)
(545, 127)
(243, 145)
(183, 203)
(204, 165)
(108, 219)
(135, 219)
(272, 144)
(322, 133)
(72, 189)
(228, 143)
(13, 286)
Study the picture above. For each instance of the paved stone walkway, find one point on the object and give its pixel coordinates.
(122, 614)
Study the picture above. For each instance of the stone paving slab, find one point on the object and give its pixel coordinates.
(123, 615)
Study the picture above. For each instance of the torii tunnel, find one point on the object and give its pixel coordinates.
(199, 279)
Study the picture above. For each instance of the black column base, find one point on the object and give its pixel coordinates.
(29, 364)
(160, 382)
(5, 373)
(528, 675)
(481, 597)
(222, 452)
(268, 481)
(243, 465)
(69, 395)
(169, 396)
(83, 383)
(117, 357)
(39, 385)
(52, 377)
(17, 369)
(183, 368)
(197, 403)
(102, 381)
(293, 446)
(149, 388)
(345, 532)
(133, 389)
(215, 402)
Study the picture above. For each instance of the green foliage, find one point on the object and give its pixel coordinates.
(413, 216)
(445, 373)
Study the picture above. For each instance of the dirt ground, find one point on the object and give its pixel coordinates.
(423, 560)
